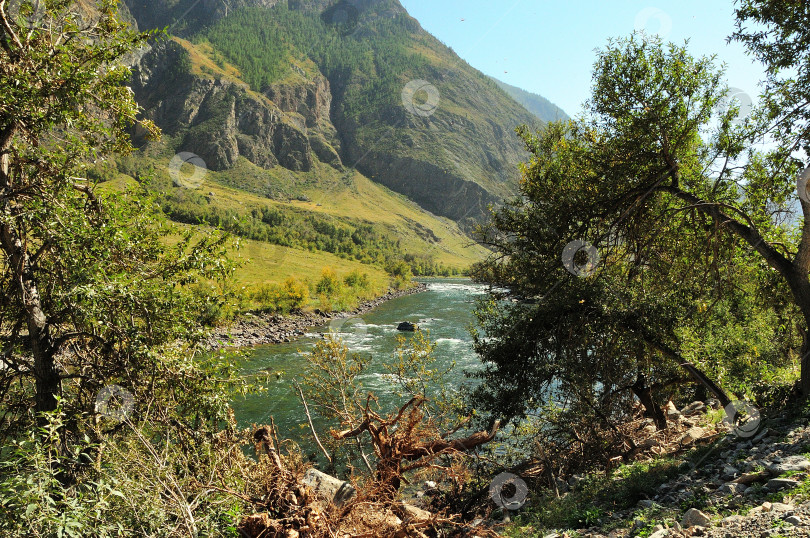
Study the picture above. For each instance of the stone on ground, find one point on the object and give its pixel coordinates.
(695, 518)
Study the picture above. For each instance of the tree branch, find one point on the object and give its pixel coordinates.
(772, 256)
(311, 426)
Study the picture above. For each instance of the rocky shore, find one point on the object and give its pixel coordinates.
(253, 329)
(742, 487)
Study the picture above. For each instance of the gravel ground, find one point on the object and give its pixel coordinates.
(751, 484)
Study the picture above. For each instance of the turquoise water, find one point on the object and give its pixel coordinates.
(445, 310)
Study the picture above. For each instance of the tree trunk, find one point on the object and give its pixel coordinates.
(695, 372)
(800, 288)
(651, 409)
(19, 262)
(47, 376)
(802, 295)
(704, 380)
(804, 382)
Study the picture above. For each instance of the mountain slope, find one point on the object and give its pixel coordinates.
(538, 105)
(285, 85)
(339, 127)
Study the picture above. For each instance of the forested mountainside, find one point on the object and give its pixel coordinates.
(281, 91)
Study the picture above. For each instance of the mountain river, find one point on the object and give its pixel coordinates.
(445, 310)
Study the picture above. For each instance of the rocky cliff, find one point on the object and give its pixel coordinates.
(221, 120)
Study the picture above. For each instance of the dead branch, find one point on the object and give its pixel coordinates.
(263, 438)
(411, 441)
(311, 426)
(458, 445)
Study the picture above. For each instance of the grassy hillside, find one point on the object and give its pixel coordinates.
(323, 218)
(328, 195)
(272, 264)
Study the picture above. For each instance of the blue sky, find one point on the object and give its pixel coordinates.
(547, 47)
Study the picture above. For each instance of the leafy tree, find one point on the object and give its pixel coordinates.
(91, 291)
(684, 225)
(776, 34)
(357, 280)
(284, 298)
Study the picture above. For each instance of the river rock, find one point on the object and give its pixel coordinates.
(733, 488)
(336, 491)
(671, 411)
(660, 533)
(693, 409)
(407, 326)
(729, 472)
(760, 436)
(789, 464)
(714, 403)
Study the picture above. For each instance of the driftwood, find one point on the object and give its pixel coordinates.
(265, 440)
(290, 501)
(404, 438)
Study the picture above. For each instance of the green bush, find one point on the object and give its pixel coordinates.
(329, 285)
(357, 280)
(130, 484)
(33, 499)
(401, 274)
(284, 298)
(218, 303)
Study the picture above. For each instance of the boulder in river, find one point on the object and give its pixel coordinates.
(407, 326)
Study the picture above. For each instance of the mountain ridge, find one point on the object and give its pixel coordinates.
(533, 102)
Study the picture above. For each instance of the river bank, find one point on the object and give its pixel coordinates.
(253, 329)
